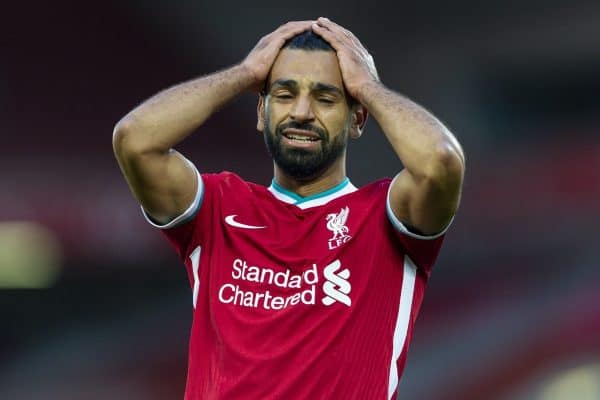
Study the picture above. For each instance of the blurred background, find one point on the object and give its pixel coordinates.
(94, 304)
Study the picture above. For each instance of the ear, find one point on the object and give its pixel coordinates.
(260, 113)
(359, 119)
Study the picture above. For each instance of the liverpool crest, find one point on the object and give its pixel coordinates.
(336, 223)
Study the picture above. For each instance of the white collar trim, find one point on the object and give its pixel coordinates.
(345, 188)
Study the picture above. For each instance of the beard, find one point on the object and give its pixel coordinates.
(303, 164)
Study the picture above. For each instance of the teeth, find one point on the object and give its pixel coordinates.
(301, 138)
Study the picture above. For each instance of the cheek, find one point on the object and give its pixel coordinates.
(335, 119)
(275, 115)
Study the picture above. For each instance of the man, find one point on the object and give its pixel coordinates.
(307, 289)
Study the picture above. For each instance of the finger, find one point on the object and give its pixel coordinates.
(328, 35)
(294, 27)
(289, 30)
(326, 22)
(334, 33)
(278, 37)
(339, 42)
(329, 24)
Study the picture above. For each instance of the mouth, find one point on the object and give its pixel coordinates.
(300, 135)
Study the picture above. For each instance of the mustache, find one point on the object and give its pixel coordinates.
(305, 126)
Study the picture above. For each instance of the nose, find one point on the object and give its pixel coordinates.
(302, 109)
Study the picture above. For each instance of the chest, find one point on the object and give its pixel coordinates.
(269, 257)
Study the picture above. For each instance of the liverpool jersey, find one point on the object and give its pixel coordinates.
(298, 297)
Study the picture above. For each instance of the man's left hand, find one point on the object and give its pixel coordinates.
(356, 64)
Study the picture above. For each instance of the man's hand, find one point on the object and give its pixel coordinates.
(261, 58)
(356, 64)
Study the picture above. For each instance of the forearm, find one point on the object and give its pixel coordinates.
(423, 144)
(167, 118)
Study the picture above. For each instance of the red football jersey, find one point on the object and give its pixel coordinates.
(298, 298)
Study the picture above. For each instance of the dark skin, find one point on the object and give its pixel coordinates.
(313, 87)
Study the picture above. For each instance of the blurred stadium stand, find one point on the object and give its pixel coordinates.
(513, 308)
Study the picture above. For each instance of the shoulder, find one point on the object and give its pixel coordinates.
(228, 184)
(378, 185)
(223, 178)
(367, 202)
(229, 179)
(374, 189)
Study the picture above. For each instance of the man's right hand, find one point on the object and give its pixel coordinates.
(261, 58)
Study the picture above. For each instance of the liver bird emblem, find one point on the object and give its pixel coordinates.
(337, 223)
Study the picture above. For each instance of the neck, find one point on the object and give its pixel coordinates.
(332, 176)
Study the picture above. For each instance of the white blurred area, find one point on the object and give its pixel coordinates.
(581, 383)
(575, 381)
(30, 255)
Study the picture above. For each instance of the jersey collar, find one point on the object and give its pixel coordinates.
(313, 200)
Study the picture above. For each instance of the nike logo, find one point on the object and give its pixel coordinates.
(231, 221)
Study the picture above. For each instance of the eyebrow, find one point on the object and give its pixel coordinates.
(323, 87)
(318, 86)
(285, 83)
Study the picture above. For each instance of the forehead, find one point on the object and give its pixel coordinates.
(307, 67)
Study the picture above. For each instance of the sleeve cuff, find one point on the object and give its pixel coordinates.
(400, 227)
(188, 214)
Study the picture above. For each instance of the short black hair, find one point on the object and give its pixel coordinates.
(308, 40)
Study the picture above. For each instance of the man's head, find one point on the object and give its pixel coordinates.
(304, 110)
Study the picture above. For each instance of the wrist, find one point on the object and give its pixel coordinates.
(247, 77)
(365, 91)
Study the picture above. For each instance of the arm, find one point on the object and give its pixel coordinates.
(160, 178)
(425, 195)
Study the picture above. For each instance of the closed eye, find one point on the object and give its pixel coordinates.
(325, 100)
(283, 95)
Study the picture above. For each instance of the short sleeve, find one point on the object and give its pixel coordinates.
(191, 228)
(422, 249)
(188, 214)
